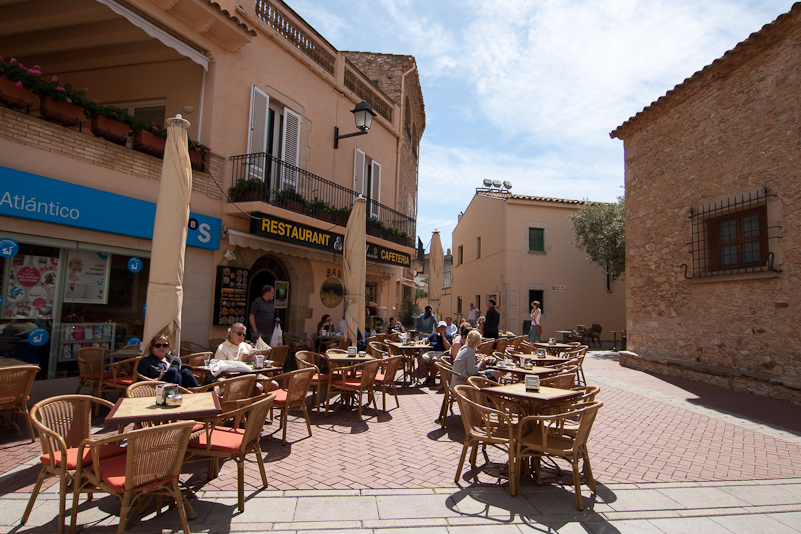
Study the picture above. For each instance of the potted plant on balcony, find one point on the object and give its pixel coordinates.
(61, 103)
(248, 190)
(150, 139)
(17, 84)
(198, 155)
(320, 209)
(109, 122)
(290, 199)
(341, 216)
(375, 227)
(398, 236)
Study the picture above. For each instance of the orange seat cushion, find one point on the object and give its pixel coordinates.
(97, 376)
(222, 439)
(280, 396)
(321, 378)
(355, 384)
(112, 471)
(122, 380)
(106, 451)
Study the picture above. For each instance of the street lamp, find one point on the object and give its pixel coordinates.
(363, 115)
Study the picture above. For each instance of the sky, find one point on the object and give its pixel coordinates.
(527, 91)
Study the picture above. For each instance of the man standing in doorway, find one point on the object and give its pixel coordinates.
(493, 319)
(262, 315)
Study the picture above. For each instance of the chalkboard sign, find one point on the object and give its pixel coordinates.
(231, 295)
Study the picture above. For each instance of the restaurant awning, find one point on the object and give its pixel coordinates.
(415, 284)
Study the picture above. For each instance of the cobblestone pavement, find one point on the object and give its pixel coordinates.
(663, 450)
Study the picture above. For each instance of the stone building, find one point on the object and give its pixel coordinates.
(712, 261)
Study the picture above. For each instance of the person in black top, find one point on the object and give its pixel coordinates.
(439, 342)
(161, 365)
(493, 319)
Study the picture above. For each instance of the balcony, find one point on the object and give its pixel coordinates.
(261, 177)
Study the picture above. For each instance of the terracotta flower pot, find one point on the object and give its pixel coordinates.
(149, 143)
(61, 112)
(15, 97)
(110, 129)
(195, 159)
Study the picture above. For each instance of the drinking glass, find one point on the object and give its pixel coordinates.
(206, 359)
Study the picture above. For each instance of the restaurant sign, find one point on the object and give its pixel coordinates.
(286, 230)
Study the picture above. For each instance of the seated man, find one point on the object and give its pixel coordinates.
(439, 341)
(234, 347)
(395, 326)
(161, 365)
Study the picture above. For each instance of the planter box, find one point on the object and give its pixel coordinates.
(15, 97)
(196, 160)
(249, 196)
(110, 129)
(61, 112)
(294, 205)
(149, 143)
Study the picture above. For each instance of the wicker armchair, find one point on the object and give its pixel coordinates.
(311, 360)
(150, 466)
(63, 422)
(385, 379)
(92, 363)
(293, 395)
(447, 373)
(231, 390)
(123, 374)
(349, 382)
(15, 386)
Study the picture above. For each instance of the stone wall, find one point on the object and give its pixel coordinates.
(730, 129)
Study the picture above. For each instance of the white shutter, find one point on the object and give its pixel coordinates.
(290, 151)
(358, 171)
(257, 131)
(375, 191)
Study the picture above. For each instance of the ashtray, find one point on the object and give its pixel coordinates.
(175, 400)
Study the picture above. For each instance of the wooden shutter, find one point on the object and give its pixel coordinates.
(536, 239)
(358, 171)
(375, 191)
(290, 151)
(257, 131)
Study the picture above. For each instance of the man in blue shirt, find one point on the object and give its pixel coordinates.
(439, 342)
(425, 324)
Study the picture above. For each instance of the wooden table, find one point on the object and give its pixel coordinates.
(535, 370)
(565, 333)
(145, 410)
(12, 362)
(554, 349)
(339, 359)
(533, 399)
(542, 361)
(410, 354)
(229, 374)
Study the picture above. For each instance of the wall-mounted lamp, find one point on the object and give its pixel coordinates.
(363, 115)
(189, 109)
(230, 256)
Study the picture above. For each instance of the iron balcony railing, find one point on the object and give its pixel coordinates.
(264, 178)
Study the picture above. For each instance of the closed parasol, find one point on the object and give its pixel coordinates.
(355, 259)
(436, 260)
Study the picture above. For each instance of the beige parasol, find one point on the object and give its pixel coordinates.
(436, 260)
(165, 292)
(355, 260)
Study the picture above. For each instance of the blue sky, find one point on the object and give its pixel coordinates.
(528, 90)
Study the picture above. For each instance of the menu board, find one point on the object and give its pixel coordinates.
(230, 299)
(31, 287)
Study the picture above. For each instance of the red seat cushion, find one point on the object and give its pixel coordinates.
(222, 439)
(97, 376)
(112, 471)
(355, 384)
(321, 378)
(122, 380)
(106, 451)
(280, 396)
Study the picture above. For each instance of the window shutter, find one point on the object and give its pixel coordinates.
(375, 191)
(358, 171)
(257, 132)
(290, 151)
(536, 239)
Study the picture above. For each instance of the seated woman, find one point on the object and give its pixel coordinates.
(480, 325)
(161, 365)
(465, 362)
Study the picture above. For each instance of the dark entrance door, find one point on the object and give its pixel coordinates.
(264, 272)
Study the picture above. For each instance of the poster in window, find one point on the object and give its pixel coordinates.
(87, 277)
(230, 299)
(281, 294)
(31, 287)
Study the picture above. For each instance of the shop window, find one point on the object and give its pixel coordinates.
(733, 236)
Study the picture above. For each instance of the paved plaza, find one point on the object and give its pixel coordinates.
(668, 456)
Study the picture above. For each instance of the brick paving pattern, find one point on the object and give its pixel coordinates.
(649, 430)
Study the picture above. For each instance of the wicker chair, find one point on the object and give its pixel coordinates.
(563, 380)
(348, 383)
(542, 435)
(123, 374)
(307, 359)
(500, 344)
(63, 422)
(385, 379)
(485, 425)
(15, 386)
(231, 390)
(447, 374)
(150, 466)
(190, 347)
(218, 442)
(278, 355)
(148, 389)
(292, 395)
(92, 363)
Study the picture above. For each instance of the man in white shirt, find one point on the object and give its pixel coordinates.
(450, 328)
(234, 348)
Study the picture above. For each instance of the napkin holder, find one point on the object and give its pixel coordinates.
(532, 383)
(352, 351)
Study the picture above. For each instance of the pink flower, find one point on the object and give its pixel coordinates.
(60, 89)
(13, 60)
(55, 78)
(69, 100)
(97, 101)
(85, 89)
(18, 84)
(1, 58)
(37, 67)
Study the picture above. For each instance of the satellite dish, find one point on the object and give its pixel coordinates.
(487, 182)
(496, 183)
(507, 184)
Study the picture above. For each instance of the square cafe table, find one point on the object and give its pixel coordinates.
(145, 410)
(544, 396)
(410, 354)
(535, 370)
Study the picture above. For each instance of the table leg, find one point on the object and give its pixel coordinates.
(614, 342)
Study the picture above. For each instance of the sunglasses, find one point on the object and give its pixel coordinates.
(238, 333)
(161, 345)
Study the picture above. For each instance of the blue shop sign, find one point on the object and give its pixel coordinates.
(30, 196)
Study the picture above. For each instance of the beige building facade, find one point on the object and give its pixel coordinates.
(265, 92)
(712, 178)
(516, 249)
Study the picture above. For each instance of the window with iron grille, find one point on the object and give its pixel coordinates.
(733, 236)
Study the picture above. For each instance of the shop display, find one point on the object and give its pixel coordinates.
(73, 336)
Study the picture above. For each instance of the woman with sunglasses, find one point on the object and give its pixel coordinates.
(161, 365)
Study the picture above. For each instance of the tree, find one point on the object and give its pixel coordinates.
(599, 230)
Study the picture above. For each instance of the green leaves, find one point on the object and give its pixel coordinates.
(599, 230)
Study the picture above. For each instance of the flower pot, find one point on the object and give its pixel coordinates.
(249, 196)
(110, 129)
(149, 143)
(294, 205)
(61, 112)
(195, 160)
(15, 97)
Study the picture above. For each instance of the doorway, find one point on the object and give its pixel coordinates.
(264, 272)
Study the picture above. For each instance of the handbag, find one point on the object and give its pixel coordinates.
(539, 330)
